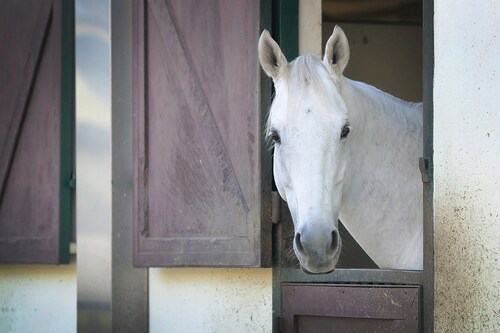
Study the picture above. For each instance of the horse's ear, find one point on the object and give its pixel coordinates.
(271, 58)
(337, 52)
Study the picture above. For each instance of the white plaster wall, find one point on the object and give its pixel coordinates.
(208, 300)
(37, 298)
(467, 165)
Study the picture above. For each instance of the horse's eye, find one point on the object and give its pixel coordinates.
(345, 131)
(275, 136)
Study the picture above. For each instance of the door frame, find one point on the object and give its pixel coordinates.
(285, 32)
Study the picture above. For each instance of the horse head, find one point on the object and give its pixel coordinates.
(309, 125)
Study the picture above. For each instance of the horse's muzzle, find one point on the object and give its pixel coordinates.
(319, 273)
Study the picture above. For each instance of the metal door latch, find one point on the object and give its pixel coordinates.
(423, 165)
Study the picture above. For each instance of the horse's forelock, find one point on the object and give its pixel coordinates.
(306, 72)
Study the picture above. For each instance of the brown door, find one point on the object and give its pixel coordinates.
(34, 199)
(197, 134)
(346, 308)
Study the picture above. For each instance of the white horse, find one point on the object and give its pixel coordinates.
(344, 150)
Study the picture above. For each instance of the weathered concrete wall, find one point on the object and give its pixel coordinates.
(467, 166)
(37, 298)
(210, 300)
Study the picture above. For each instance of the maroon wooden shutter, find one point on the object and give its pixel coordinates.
(30, 127)
(197, 134)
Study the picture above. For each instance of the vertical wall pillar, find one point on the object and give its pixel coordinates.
(129, 285)
(93, 166)
(112, 295)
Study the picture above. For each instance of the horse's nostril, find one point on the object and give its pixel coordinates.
(318, 245)
(335, 241)
(298, 244)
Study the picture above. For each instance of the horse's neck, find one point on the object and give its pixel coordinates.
(382, 199)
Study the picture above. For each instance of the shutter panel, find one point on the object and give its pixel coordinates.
(197, 134)
(30, 127)
(327, 308)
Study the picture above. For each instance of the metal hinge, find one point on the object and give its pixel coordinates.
(423, 165)
(275, 207)
(72, 181)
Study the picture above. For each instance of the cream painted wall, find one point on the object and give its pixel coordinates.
(310, 27)
(467, 165)
(210, 300)
(37, 298)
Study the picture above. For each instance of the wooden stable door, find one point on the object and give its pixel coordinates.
(200, 188)
(357, 296)
(327, 308)
(35, 131)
